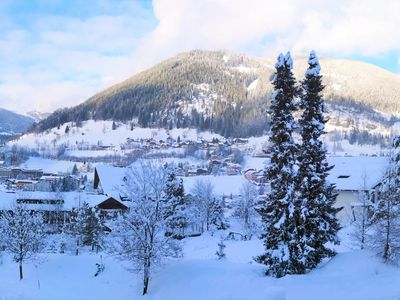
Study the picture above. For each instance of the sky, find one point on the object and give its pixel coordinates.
(58, 53)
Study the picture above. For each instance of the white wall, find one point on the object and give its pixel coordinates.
(345, 199)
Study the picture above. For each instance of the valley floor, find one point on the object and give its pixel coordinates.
(352, 274)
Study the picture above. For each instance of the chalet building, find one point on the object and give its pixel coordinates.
(49, 181)
(240, 141)
(233, 169)
(26, 173)
(354, 176)
(106, 147)
(5, 173)
(256, 176)
(108, 181)
(196, 172)
(57, 207)
(18, 173)
(25, 184)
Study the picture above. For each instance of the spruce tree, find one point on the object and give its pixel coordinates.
(217, 217)
(92, 229)
(386, 217)
(316, 197)
(175, 207)
(75, 170)
(278, 208)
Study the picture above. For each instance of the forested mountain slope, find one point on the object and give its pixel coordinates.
(228, 93)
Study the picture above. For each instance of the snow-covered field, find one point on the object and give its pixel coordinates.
(49, 165)
(223, 185)
(90, 153)
(101, 133)
(352, 274)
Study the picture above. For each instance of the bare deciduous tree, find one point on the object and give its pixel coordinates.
(139, 235)
(23, 233)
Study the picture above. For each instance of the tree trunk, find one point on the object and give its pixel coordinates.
(145, 285)
(363, 227)
(146, 271)
(386, 250)
(21, 276)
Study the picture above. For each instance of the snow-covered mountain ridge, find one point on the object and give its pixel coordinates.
(228, 93)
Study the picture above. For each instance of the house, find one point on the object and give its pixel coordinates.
(57, 207)
(108, 181)
(353, 176)
(18, 173)
(240, 141)
(25, 184)
(33, 174)
(256, 176)
(233, 169)
(5, 173)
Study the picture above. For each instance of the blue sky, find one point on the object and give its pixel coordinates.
(57, 53)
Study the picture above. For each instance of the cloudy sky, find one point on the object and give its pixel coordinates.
(57, 53)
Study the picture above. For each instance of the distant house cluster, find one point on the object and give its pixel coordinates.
(36, 180)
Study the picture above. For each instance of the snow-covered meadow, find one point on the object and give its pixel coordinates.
(351, 274)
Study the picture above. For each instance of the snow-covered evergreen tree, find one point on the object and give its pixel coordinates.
(316, 197)
(76, 227)
(386, 218)
(140, 234)
(217, 217)
(92, 230)
(23, 234)
(278, 209)
(86, 227)
(75, 170)
(176, 206)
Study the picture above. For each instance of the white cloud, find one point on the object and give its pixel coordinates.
(61, 61)
(366, 27)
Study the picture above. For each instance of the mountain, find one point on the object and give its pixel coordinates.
(228, 93)
(12, 123)
(37, 115)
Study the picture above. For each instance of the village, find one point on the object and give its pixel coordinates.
(97, 178)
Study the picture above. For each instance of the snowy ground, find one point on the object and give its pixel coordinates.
(224, 185)
(100, 132)
(49, 165)
(352, 274)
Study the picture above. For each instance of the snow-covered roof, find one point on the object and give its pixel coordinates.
(111, 179)
(70, 199)
(353, 173)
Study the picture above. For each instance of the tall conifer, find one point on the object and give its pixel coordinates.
(278, 209)
(318, 224)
